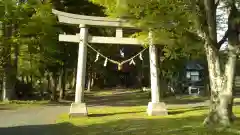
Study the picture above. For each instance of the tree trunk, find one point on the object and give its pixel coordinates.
(9, 76)
(59, 84)
(4, 90)
(31, 79)
(73, 83)
(221, 84)
(45, 86)
(41, 88)
(15, 58)
(9, 81)
(54, 90)
(62, 84)
(89, 85)
(22, 78)
(221, 73)
(48, 82)
(27, 79)
(53, 87)
(91, 77)
(92, 82)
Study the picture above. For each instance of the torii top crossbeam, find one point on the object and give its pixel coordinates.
(70, 18)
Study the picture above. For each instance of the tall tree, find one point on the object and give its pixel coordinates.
(29, 40)
(172, 20)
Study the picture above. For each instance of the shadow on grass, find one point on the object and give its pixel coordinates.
(121, 99)
(117, 98)
(186, 99)
(58, 103)
(6, 108)
(170, 112)
(54, 129)
(136, 98)
(111, 114)
(174, 112)
(159, 126)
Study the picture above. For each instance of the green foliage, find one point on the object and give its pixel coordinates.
(174, 25)
(39, 40)
(172, 22)
(166, 14)
(35, 34)
(34, 39)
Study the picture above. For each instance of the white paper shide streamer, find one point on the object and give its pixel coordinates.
(105, 62)
(97, 57)
(140, 56)
(122, 53)
(132, 62)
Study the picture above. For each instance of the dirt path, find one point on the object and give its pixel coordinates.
(40, 115)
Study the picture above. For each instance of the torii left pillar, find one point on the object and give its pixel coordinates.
(79, 108)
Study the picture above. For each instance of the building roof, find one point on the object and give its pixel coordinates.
(193, 65)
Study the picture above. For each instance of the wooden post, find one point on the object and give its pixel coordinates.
(79, 108)
(155, 107)
(119, 32)
(155, 87)
(81, 67)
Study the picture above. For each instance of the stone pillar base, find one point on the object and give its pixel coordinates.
(157, 109)
(78, 110)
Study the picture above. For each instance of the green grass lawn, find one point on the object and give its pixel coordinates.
(109, 117)
(133, 120)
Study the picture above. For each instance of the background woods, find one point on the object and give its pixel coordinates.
(34, 65)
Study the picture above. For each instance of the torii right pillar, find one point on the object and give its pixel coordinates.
(155, 107)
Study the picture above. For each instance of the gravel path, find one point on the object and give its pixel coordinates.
(38, 120)
(40, 115)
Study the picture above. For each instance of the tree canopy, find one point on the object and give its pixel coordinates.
(174, 21)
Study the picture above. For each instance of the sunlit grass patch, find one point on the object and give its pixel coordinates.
(134, 120)
(110, 92)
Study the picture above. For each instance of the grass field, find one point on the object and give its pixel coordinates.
(133, 120)
(124, 113)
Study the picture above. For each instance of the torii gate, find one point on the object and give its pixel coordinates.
(79, 108)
